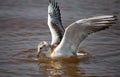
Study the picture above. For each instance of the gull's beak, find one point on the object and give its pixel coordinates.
(38, 52)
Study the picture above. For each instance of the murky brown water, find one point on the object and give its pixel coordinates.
(23, 25)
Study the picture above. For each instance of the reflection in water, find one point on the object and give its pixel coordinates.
(66, 67)
(69, 67)
(55, 68)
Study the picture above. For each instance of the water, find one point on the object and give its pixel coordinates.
(23, 25)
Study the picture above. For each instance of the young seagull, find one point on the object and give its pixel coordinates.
(66, 43)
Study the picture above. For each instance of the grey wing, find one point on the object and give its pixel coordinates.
(54, 22)
(79, 30)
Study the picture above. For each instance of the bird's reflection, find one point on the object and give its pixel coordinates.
(62, 67)
(55, 68)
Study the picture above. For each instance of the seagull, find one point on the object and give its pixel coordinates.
(65, 42)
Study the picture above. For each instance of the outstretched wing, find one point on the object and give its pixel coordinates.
(54, 22)
(79, 30)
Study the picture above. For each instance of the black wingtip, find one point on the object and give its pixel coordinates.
(52, 2)
(115, 17)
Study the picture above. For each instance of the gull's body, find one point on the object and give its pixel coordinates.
(65, 43)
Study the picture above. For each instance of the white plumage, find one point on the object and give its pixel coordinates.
(65, 43)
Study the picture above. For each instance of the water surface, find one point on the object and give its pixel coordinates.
(23, 24)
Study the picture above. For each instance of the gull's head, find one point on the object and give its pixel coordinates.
(42, 47)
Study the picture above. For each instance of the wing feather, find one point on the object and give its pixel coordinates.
(79, 30)
(55, 22)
